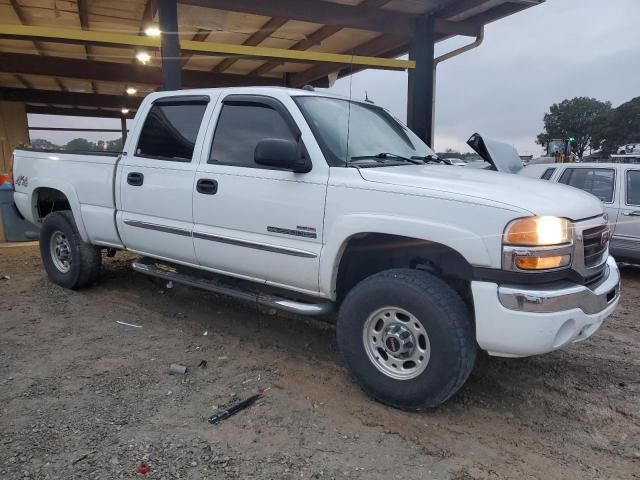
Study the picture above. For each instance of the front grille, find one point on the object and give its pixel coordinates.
(594, 247)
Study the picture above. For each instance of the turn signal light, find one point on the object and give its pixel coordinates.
(542, 263)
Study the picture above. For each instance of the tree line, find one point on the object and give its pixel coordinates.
(81, 145)
(592, 124)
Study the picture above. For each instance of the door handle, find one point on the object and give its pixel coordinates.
(135, 178)
(207, 186)
(635, 213)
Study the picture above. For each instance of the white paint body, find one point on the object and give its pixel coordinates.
(465, 209)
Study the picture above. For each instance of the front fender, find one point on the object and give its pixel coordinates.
(470, 245)
(68, 190)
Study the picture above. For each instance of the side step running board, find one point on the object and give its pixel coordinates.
(148, 267)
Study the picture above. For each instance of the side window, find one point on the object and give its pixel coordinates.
(170, 130)
(547, 173)
(597, 181)
(633, 187)
(240, 127)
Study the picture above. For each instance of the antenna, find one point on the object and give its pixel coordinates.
(366, 98)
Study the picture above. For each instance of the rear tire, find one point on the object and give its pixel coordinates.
(407, 338)
(68, 261)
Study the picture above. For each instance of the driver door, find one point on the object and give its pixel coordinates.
(259, 223)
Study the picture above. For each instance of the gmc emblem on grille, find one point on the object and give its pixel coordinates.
(605, 237)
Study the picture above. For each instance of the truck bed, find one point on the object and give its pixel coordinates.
(86, 179)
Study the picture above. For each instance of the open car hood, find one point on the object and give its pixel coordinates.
(503, 157)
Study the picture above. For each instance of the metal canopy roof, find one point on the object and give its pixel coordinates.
(81, 54)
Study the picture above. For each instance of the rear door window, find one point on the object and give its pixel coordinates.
(597, 181)
(170, 130)
(633, 187)
(547, 173)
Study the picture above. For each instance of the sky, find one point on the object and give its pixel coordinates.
(528, 61)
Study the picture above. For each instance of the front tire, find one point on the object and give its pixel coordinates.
(407, 338)
(68, 261)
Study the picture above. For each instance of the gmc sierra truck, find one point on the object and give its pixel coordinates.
(316, 204)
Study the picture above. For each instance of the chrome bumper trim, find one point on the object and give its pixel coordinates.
(565, 296)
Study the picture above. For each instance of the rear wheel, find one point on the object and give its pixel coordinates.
(407, 338)
(68, 260)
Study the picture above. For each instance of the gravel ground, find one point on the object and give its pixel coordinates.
(84, 397)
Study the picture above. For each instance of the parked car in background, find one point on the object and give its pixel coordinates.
(629, 149)
(617, 185)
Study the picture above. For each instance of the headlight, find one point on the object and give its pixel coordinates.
(538, 231)
(537, 243)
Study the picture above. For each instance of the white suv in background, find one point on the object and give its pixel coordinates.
(616, 185)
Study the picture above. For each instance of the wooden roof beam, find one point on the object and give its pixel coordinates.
(83, 13)
(27, 95)
(150, 10)
(17, 63)
(256, 39)
(78, 112)
(315, 38)
(336, 14)
(63, 35)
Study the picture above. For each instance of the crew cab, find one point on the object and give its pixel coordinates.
(315, 204)
(617, 185)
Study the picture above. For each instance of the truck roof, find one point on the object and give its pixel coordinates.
(275, 91)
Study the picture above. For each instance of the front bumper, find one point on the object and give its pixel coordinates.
(518, 321)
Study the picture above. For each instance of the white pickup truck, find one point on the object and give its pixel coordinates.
(314, 203)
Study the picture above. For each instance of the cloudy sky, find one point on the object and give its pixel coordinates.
(560, 49)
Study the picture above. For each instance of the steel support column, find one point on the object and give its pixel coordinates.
(170, 47)
(420, 93)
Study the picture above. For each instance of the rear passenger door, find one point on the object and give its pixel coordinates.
(626, 238)
(155, 210)
(599, 181)
(259, 222)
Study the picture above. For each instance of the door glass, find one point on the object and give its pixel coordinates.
(633, 187)
(597, 181)
(547, 173)
(170, 130)
(240, 128)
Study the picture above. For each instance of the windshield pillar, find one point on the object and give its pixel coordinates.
(420, 91)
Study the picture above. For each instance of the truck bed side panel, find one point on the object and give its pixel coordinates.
(87, 182)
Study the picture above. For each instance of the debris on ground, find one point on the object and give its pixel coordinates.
(128, 324)
(169, 284)
(176, 369)
(225, 413)
(202, 364)
(143, 469)
(82, 457)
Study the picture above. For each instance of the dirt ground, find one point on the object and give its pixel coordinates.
(84, 397)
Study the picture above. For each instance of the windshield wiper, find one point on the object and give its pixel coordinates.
(430, 158)
(392, 156)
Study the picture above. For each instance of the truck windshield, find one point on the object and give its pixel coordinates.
(360, 134)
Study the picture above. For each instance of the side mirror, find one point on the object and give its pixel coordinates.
(280, 153)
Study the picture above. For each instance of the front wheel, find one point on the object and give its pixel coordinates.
(69, 262)
(407, 338)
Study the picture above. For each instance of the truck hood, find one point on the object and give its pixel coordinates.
(539, 197)
(503, 157)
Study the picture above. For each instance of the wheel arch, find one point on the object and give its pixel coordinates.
(366, 254)
(51, 197)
